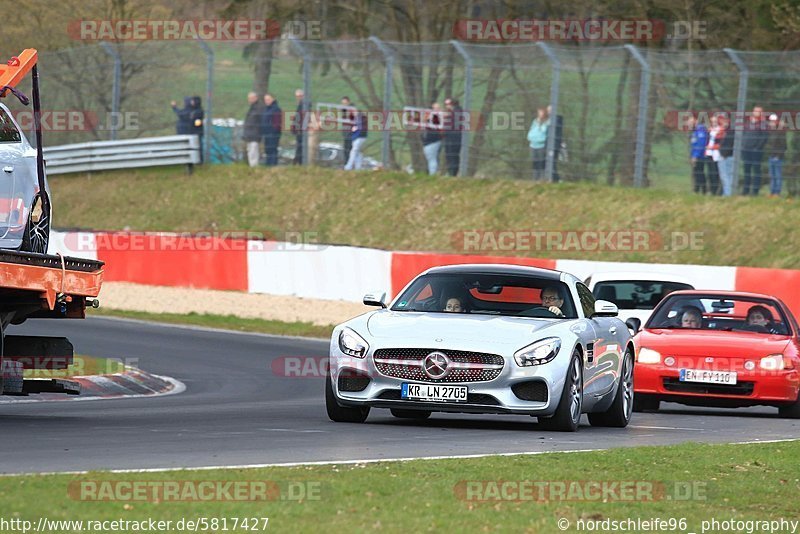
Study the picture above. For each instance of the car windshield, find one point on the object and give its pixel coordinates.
(492, 294)
(636, 294)
(725, 313)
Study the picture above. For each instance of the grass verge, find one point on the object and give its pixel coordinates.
(398, 211)
(226, 322)
(690, 482)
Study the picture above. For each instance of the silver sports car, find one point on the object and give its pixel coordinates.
(485, 339)
(24, 211)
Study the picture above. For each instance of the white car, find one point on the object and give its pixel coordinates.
(636, 294)
(485, 339)
(24, 208)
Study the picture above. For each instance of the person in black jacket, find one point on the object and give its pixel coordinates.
(452, 135)
(183, 121)
(297, 127)
(271, 128)
(753, 140)
(559, 140)
(776, 150)
(252, 129)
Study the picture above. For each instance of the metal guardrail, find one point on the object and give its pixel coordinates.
(123, 154)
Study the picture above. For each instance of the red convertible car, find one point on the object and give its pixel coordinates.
(720, 349)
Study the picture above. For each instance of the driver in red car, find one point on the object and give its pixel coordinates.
(691, 317)
(760, 316)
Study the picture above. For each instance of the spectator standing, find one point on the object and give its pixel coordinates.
(723, 154)
(184, 121)
(537, 139)
(559, 140)
(348, 119)
(358, 137)
(712, 168)
(297, 126)
(271, 128)
(252, 129)
(698, 140)
(776, 150)
(196, 118)
(432, 138)
(452, 135)
(753, 142)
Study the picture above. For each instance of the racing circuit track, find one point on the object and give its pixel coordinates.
(236, 411)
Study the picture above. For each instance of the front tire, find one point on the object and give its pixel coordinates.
(619, 413)
(568, 413)
(644, 403)
(791, 411)
(341, 414)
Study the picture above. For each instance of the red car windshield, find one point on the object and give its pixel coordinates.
(713, 312)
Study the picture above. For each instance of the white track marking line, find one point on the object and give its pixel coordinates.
(301, 464)
(664, 428)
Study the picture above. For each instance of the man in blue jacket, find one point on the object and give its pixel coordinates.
(271, 128)
(697, 153)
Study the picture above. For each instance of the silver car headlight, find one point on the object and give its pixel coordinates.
(352, 344)
(538, 353)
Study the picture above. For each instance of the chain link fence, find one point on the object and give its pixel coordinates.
(616, 106)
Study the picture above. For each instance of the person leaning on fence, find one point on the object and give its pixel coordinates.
(723, 154)
(776, 150)
(698, 139)
(453, 128)
(271, 128)
(297, 127)
(753, 141)
(358, 135)
(558, 141)
(251, 133)
(537, 138)
(348, 119)
(432, 138)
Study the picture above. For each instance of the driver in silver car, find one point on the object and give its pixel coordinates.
(552, 300)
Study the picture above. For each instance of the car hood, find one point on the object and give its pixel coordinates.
(677, 342)
(444, 328)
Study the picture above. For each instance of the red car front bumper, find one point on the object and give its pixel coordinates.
(752, 387)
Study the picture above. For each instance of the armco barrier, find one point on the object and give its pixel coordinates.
(343, 272)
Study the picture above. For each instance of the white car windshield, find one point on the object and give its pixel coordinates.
(636, 294)
(492, 294)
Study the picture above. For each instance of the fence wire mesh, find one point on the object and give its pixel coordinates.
(616, 105)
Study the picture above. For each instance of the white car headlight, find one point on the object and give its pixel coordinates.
(649, 356)
(538, 353)
(773, 362)
(352, 344)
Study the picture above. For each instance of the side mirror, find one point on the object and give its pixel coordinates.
(373, 299)
(634, 324)
(604, 308)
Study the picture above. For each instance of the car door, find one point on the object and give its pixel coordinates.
(11, 167)
(602, 369)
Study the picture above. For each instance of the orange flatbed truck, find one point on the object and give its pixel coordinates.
(39, 285)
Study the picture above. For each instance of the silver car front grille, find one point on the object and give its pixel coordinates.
(462, 366)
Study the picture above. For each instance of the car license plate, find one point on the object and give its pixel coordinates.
(708, 377)
(434, 392)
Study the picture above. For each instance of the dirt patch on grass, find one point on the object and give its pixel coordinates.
(156, 299)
